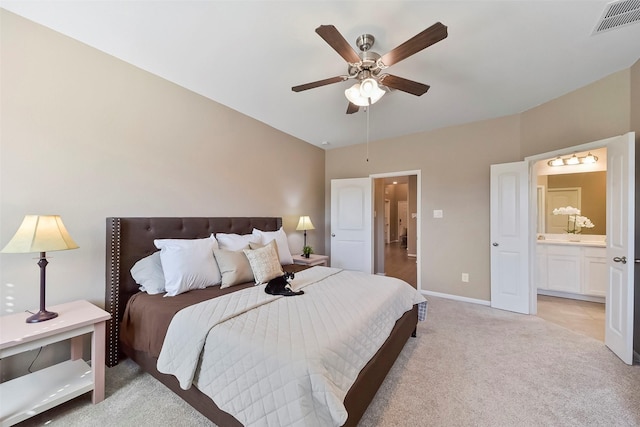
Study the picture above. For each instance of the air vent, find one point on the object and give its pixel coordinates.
(618, 14)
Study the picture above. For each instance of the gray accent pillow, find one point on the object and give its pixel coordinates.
(234, 267)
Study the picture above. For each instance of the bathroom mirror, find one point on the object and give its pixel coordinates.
(586, 191)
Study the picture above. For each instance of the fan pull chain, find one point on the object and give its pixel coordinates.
(368, 107)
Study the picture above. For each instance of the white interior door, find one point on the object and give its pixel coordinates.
(620, 246)
(387, 221)
(403, 218)
(509, 237)
(351, 230)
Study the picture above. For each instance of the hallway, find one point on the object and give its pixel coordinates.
(398, 264)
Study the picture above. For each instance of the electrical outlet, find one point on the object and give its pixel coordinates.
(465, 277)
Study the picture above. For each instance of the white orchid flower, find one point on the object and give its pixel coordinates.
(567, 210)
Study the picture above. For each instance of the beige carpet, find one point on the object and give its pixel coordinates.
(469, 366)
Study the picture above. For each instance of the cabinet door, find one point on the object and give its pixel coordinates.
(595, 272)
(541, 267)
(563, 264)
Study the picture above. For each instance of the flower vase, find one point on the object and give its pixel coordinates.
(574, 237)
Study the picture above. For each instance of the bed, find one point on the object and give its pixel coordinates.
(130, 239)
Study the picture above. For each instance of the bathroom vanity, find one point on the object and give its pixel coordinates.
(572, 269)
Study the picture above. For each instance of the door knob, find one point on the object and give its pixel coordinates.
(622, 260)
(495, 244)
(333, 235)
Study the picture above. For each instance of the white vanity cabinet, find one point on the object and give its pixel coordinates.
(571, 268)
(563, 268)
(594, 279)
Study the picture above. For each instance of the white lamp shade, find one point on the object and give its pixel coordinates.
(305, 224)
(40, 233)
(365, 93)
(589, 159)
(573, 160)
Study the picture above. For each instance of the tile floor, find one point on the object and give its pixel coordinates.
(580, 316)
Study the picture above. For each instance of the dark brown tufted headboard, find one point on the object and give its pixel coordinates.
(130, 239)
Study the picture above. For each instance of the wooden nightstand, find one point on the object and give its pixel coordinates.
(313, 259)
(41, 390)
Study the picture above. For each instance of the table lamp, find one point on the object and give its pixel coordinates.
(305, 224)
(41, 233)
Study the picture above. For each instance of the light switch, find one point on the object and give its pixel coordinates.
(437, 213)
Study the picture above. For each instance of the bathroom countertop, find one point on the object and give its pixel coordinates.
(595, 244)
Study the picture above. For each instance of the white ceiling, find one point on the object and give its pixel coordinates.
(500, 58)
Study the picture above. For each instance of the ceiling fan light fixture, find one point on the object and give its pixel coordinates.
(353, 95)
(364, 93)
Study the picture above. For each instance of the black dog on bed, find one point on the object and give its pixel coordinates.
(280, 286)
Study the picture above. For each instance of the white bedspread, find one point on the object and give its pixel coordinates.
(286, 361)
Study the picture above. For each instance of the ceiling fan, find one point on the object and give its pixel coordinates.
(366, 66)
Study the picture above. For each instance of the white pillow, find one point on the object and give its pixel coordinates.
(284, 254)
(264, 262)
(235, 242)
(147, 273)
(188, 264)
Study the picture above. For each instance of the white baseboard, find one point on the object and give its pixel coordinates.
(381, 274)
(457, 298)
(571, 296)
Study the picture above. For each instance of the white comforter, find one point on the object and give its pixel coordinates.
(286, 361)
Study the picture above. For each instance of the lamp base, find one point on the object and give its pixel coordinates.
(41, 316)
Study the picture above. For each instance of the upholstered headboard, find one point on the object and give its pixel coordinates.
(130, 239)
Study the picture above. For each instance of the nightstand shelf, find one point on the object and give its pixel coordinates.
(41, 390)
(314, 259)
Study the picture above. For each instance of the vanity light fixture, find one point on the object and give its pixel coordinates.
(589, 159)
(573, 160)
(556, 162)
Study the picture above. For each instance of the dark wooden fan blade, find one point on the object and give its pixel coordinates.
(430, 36)
(319, 83)
(333, 37)
(352, 108)
(403, 84)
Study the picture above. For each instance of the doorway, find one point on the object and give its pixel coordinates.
(571, 269)
(396, 232)
(513, 280)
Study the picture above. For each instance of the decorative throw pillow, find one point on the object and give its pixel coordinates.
(264, 262)
(147, 273)
(188, 264)
(234, 267)
(235, 242)
(284, 254)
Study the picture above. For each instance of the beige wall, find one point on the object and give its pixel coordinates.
(597, 111)
(87, 136)
(455, 178)
(455, 165)
(635, 98)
